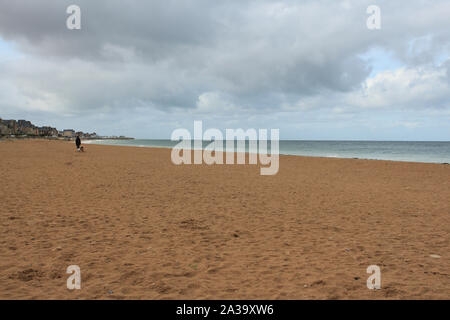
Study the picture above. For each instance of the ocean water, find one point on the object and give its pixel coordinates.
(415, 151)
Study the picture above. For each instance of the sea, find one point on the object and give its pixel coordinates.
(411, 151)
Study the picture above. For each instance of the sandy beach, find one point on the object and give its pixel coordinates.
(140, 227)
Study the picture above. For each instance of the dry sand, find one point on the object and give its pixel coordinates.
(140, 227)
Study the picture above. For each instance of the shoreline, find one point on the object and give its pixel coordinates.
(92, 142)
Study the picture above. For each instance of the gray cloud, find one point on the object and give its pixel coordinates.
(244, 56)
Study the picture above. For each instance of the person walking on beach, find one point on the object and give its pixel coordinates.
(78, 142)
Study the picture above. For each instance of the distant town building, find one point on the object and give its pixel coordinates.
(4, 130)
(9, 127)
(68, 133)
(26, 128)
(48, 131)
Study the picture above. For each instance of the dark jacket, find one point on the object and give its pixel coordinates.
(78, 141)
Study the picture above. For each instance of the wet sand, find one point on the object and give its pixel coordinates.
(140, 227)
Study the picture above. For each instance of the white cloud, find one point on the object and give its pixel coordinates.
(407, 88)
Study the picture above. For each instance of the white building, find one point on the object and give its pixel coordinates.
(68, 133)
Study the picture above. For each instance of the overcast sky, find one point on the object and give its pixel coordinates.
(310, 68)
